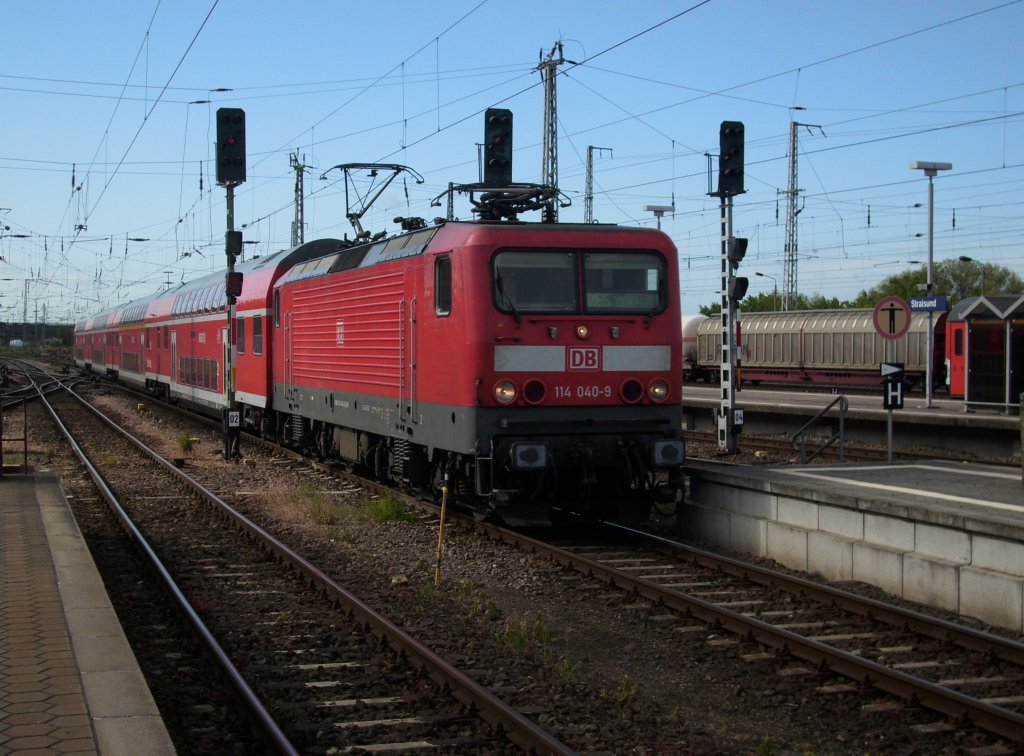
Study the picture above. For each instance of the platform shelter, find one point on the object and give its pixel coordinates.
(986, 338)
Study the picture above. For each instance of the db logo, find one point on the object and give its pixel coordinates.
(584, 358)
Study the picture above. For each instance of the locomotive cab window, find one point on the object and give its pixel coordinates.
(611, 282)
(623, 282)
(443, 286)
(535, 281)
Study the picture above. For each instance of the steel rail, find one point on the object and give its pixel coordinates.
(248, 697)
(934, 627)
(951, 703)
(493, 710)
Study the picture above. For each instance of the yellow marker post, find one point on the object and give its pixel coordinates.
(440, 533)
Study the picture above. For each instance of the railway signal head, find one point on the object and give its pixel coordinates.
(738, 287)
(497, 147)
(730, 159)
(230, 146)
(737, 250)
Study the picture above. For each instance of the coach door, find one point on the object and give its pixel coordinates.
(173, 372)
(225, 361)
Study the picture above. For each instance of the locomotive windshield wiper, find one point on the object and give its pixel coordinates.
(505, 298)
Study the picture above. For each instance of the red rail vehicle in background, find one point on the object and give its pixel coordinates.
(978, 349)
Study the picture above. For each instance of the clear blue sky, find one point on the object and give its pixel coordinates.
(100, 146)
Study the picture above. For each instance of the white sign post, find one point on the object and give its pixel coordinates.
(892, 320)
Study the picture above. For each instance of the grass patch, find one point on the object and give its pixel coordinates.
(187, 444)
(389, 509)
(567, 667)
(627, 690)
(14, 459)
(318, 507)
(522, 635)
(476, 598)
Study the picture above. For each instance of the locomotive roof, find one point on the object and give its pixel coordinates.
(364, 255)
(418, 241)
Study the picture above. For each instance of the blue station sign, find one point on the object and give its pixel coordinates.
(934, 303)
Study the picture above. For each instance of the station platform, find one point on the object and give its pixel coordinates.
(69, 682)
(944, 534)
(949, 424)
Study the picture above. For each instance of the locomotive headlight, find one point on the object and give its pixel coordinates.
(657, 390)
(505, 392)
(582, 331)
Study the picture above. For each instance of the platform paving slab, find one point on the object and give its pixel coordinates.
(69, 682)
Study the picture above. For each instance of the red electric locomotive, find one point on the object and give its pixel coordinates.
(524, 365)
(530, 364)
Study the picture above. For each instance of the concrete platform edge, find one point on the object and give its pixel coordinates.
(972, 565)
(124, 715)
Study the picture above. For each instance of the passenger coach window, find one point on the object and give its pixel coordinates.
(240, 335)
(443, 286)
(257, 334)
(277, 307)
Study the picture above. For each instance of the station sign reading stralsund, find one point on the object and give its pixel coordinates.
(934, 303)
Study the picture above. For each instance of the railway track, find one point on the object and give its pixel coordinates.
(297, 647)
(932, 658)
(963, 675)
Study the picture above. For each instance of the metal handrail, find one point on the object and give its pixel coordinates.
(800, 443)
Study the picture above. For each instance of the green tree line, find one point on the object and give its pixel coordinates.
(954, 278)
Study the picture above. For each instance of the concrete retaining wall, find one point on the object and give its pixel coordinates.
(976, 574)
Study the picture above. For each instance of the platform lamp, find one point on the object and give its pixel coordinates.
(775, 289)
(930, 170)
(965, 258)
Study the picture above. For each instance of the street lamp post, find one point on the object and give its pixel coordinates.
(965, 258)
(930, 170)
(775, 289)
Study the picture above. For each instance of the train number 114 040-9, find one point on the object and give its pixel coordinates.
(583, 392)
